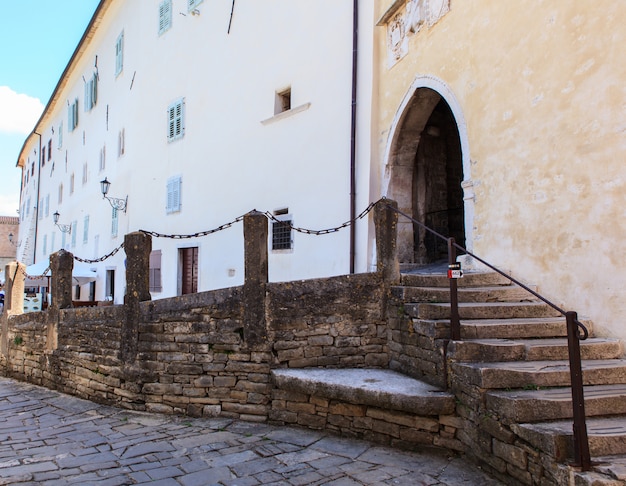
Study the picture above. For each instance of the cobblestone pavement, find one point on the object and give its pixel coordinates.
(47, 438)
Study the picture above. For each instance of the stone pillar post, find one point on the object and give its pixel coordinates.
(14, 276)
(137, 246)
(255, 233)
(61, 266)
(386, 222)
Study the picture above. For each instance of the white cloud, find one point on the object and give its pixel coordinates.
(18, 112)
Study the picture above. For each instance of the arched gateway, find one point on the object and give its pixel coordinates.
(427, 171)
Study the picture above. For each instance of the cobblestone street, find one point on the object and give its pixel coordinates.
(53, 439)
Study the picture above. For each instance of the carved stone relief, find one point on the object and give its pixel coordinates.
(405, 19)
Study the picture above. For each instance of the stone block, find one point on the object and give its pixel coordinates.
(211, 410)
(348, 409)
(510, 453)
(392, 416)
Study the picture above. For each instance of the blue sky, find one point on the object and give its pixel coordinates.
(37, 39)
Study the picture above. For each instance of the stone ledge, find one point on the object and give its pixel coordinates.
(384, 389)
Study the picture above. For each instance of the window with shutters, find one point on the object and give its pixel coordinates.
(191, 4)
(174, 186)
(91, 92)
(121, 142)
(176, 120)
(86, 229)
(71, 184)
(60, 200)
(114, 223)
(102, 165)
(85, 173)
(60, 136)
(155, 271)
(165, 16)
(73, 233)
(72, 115)
(119, 54)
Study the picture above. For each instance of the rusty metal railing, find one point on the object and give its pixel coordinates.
(576, 332)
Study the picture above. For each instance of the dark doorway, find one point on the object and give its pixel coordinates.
(189, 270)
(437, 192)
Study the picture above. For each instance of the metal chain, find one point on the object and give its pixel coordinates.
(363, 213)
(102, 258)
(195, 235)
(44, 274)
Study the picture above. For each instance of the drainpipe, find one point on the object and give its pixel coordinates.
(37, 201)
(355, 38)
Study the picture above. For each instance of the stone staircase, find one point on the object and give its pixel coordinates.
(510, 373)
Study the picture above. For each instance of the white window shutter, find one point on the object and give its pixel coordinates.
(174, 194)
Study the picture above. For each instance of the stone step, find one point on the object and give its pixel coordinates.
(539, 327)
(482, 310)
(380, 388)
(470, 279)
(555, 403)
(607, 436)
(518, 328)
(503, 293)
(473, 350)
(524, 374)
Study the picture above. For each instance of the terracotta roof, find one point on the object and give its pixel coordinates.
(9, 220)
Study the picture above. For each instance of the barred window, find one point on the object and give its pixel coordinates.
(281, 231)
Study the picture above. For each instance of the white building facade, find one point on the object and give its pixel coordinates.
(197, 112)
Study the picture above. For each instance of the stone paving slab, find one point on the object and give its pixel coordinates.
(47, 438)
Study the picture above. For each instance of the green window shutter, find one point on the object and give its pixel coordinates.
(176, 120)
(191, 4)
(173, 194)
(114, 223)
(86, 229)
(165, 15)
(119, 54)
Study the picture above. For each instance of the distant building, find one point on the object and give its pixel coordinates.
(9, 231)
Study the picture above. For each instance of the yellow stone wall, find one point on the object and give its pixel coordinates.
(542, 88)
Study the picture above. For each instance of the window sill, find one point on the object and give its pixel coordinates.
(286, 114)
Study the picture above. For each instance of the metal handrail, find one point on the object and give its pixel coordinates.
(574, 327)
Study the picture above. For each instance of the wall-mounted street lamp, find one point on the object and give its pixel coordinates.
(11, 240)
(119, 204)
(65, 228)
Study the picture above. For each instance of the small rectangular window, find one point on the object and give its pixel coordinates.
(165, 16)
(281, 230)
(40, 208)
(47, 211)
(155, 271)
(60, 193)
(173, 194)
(176, 120)
(119, 54)
(85, 173)
(43, 156)
(282, 101)
(60, 139)
(71, 184)
(49, 149)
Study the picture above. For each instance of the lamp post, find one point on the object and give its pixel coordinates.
(11, 239)
(116, 203)
(65, 228)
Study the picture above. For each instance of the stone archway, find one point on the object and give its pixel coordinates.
(427, 172)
